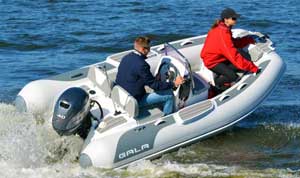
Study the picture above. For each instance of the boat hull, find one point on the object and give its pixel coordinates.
(121, 139)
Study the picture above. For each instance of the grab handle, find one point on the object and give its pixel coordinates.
(158, 122)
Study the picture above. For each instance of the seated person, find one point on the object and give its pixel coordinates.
(220, 53)
(134, 74)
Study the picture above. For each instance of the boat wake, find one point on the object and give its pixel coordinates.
(31, 143)
(30, 148)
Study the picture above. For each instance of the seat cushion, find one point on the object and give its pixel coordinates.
(125, 101)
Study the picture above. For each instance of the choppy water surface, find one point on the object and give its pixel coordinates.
(44, 38)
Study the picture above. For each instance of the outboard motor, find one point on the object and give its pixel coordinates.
(72, 113)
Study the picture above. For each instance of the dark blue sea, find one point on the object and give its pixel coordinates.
(39, 39)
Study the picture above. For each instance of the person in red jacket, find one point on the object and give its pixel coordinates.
(220, 54)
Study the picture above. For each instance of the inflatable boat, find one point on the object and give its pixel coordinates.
(117, 132)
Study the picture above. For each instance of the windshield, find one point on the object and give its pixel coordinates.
(173, 52)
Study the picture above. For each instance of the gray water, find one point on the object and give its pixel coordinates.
(39, 39)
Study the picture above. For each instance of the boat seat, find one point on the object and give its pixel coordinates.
(99, 78)
(122, 99)
(207, 74)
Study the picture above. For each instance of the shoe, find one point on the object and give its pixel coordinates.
(212, 91)
(211, 94)
(227, 85)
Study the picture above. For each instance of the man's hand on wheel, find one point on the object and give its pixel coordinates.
(178, 81)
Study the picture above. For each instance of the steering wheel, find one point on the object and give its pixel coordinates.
(93, 102)
(168, 73)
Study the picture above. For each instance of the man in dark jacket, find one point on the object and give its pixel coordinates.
(134, 74)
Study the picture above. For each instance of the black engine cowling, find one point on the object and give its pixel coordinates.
(72, 113)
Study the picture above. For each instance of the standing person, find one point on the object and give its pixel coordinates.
(134, 74)
(220, 53)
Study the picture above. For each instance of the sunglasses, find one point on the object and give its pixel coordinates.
(233, 18)
(147, 48)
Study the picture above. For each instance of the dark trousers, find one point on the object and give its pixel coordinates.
(226, 73)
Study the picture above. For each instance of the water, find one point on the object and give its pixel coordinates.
(39, 39)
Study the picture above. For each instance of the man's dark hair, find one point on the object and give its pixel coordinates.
(143, 41)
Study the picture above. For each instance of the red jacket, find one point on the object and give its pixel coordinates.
(220, 46)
